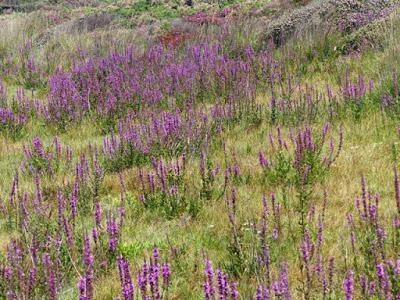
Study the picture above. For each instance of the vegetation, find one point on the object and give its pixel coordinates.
(230, 150)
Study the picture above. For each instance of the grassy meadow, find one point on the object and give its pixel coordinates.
(205, 150)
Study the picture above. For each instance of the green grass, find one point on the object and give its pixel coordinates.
(159, 11)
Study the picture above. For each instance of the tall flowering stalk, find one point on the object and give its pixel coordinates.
(88, 260)
(150, 133)
(164, 187)
(12, 123)
(369, 240)
(113, 232)
(125, 277)
(300, 160)
(390, 101)
(348, 285)
(217, 284)
(65, 102)
(154, 278)
(40, 160)
(28, 73)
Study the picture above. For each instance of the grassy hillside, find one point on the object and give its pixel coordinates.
(218, 150)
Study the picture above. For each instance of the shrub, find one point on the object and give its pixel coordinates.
(28, 73)
(40, 161)
(370, 241)
(164, 134)
(300, 162)
(12, 124)
(164, 188)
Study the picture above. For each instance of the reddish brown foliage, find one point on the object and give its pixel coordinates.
(173, 38)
